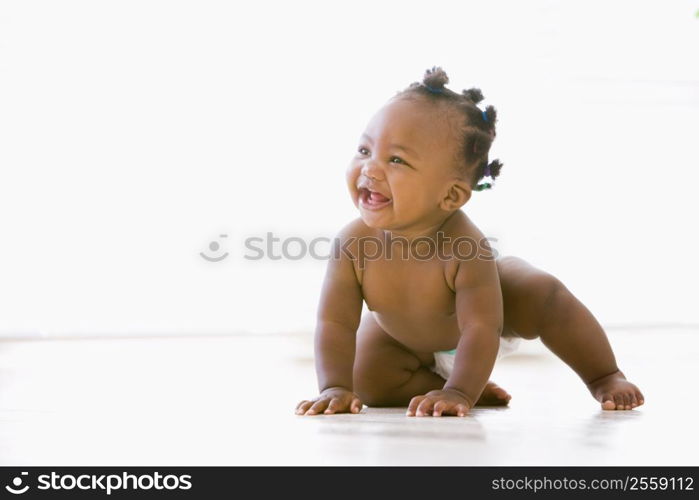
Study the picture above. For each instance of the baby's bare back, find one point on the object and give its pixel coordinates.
(411, 292)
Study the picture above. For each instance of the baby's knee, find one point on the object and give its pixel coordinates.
(376, 386)
(371, 391)
(367, 383)
(556, 299)
(547, 299)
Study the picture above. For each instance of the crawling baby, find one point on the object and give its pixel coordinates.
(442, 307)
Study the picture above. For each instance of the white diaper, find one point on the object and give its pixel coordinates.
(444, 360)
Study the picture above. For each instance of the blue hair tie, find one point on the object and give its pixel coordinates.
(433, 89)
(485, 116)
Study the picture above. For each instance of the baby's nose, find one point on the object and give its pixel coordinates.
(372, 170)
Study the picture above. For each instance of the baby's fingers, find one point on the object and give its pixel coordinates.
(414, 403)
(425, 408)
(450, 408)
(303, 406)
(318, 407)
(442, 406)
(356, 405)
(335, 406)
(461, 410)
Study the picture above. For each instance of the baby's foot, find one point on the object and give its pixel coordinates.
(615, 392)
(493, 395)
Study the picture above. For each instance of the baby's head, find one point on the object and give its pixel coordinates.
(422, 154)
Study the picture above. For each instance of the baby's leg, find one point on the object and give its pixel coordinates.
(537, 304)
(388, 374)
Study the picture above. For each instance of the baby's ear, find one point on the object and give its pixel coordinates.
(458, 193)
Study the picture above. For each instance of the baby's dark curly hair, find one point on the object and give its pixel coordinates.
(477, 131)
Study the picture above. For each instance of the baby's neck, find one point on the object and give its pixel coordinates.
(428, 230)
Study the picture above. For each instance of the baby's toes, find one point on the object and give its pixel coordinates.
(639, 398)
(608, 402)
(634, 400)
(619, 400)
(626, 401)
(502, 393)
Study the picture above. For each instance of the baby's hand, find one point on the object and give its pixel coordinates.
(436, 403)
(331, 400)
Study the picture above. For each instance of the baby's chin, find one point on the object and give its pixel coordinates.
(374, 220)
(373, 224)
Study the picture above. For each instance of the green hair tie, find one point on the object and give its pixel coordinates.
(485, 185)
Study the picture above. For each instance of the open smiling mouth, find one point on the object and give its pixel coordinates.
(372, 200)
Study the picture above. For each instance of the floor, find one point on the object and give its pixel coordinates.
(230, 400)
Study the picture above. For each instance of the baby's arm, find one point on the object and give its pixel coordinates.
(339, 313)
(480, 319)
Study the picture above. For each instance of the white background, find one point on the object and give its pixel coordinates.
(134, 133)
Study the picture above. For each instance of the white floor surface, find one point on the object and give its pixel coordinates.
(230, 401)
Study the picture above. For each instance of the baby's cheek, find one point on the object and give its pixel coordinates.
(351, 178)
(352, 171)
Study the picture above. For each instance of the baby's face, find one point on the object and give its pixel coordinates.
(403, 166)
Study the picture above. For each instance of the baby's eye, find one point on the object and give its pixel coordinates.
(362, 151)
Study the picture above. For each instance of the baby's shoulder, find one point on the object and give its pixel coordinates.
(464, 242)
(357, 228)
(352, 237)
(465, 248)
(459, 227)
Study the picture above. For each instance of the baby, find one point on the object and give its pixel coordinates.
(441, 307)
